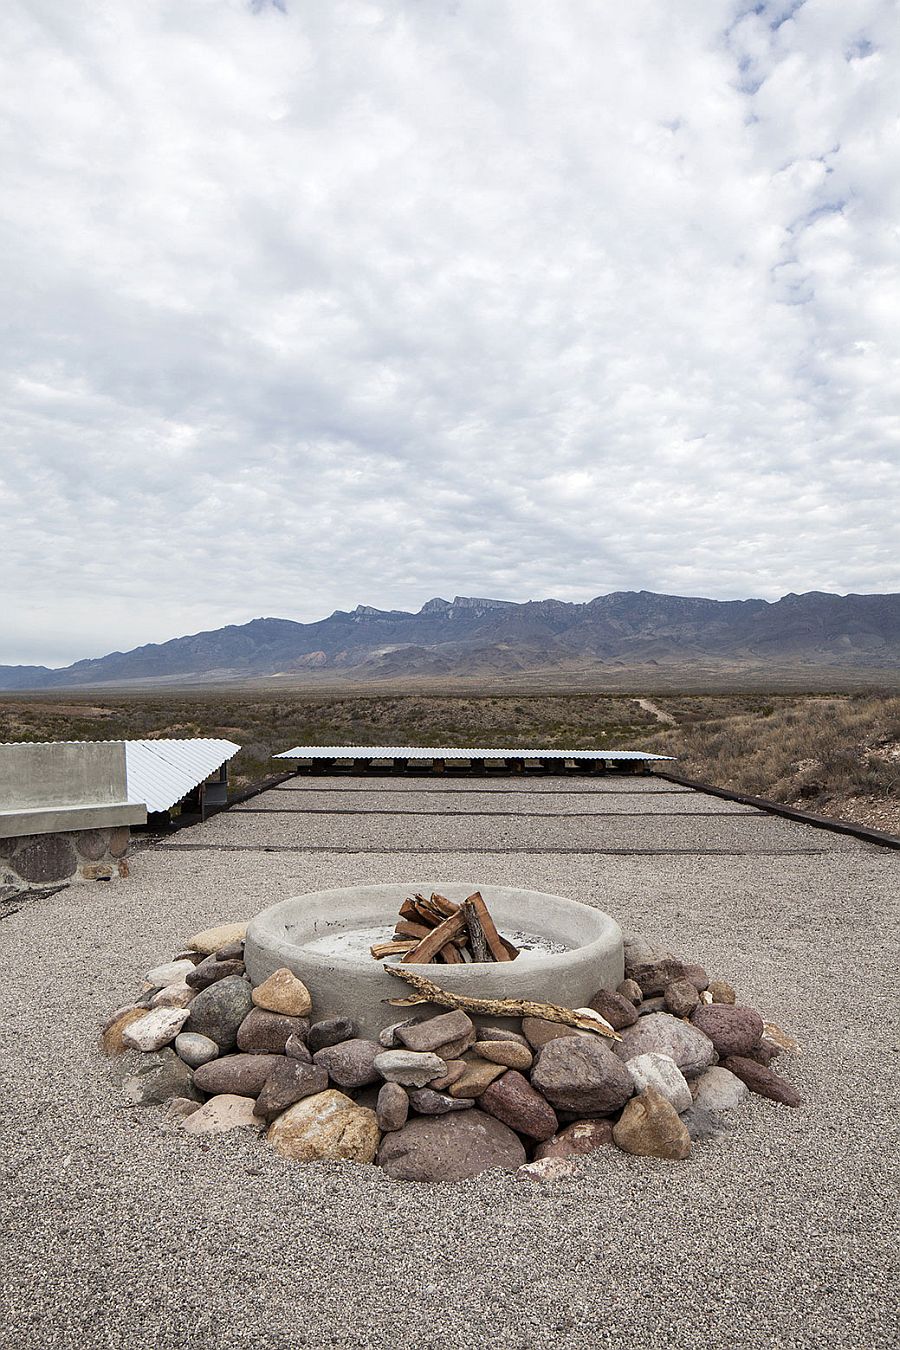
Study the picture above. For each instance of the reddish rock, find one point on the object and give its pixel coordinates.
(450, 1147)
(631, 990)
(241, 1075)
(539, 1033)
(732, 1030)
(289, 1081)
(267, 1033)
(681, 998)
(654, 976)
(577, 1139)
(618, 1011)
(581, 1074)
(513, 1100)
(763, 1081)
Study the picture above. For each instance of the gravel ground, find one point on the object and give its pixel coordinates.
(121, 1233)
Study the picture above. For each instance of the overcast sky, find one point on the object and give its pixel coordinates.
(311, 304)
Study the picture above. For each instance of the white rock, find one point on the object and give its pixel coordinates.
(412, 1068)
(195, 1049)
(156, 1029)
(221, 1113)
(173, 972)
(549, 1169)
(662, 1073)
(174, 996)
(720, 1090)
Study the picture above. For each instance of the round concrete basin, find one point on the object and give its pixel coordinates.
(323, 937)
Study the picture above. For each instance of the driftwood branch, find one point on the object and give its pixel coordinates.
(429, 992)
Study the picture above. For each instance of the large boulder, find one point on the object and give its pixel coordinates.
(218, 1011)
(237, 1075)
(733, 1030)
(662, 1034)
(581, 1074)
(513, 1100)
(328, 1127)
(450, 1147)
(650, 1128)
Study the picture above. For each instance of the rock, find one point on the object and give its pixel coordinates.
(242, 1075)
(639, 949)
(392, 1108)
(618, 1011)
(296, 1048)
(189, 955)
(681, 998)
(331, 1031)
(577, 1139)
(328, 1127)
(412, 1068)
(650, 1006)
(389, 1038)
(764, 1052)
(763, 1081)
(428, 1102)
(111, 1041)
(655, 975)
(721, 991)
(155, 1029)
(174, 996)
(662, 1034)
(631, 990)
(773, 1032)
(436, 1031)
(508, 1053)
(282, 992)
(703, 1124)
(159, 1077)
(650, 1128)
(513, 1100)
(172, 972)
(500, 1034)
(179, 1108)
(218, 1011)
(663, 1074)
(455, 1070)
(548, 1169)
(696, 976)
(350, 1064)
(581, 1074)
(719, 1090)
(477, 1075)
(211, 939)
(454, 1049)
(232, 951)
(210, 970)
(289, 1081)
(732, 1030)
(267, 1033)
(222, 1113)
(195, 1049)
(538, 1032)
(450, 1147)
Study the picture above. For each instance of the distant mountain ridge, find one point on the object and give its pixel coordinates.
(474, 636)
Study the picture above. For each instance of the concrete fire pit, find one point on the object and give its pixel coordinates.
(323, 937)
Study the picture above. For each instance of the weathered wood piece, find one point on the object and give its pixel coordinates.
(450, 955)
(429, 992)
(488, 927)
(477, 940)
(382, 949)
(429, 946)
(405, 928)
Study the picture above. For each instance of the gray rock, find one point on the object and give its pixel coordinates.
(412, 1068)
(501, 1034)
(662, 1034)
(648, 1006)
(350, 1064)
(195, 1049)
(389, 1038)
(232, 951)
(238, 1075)
(296, 1048)
(267, 1033)
(579, 1073)
(331, 1031)
(681, 998)
(720, 1090)
(219, 1010)
(662, 1073)
(618, 1011)
(450, 1147)
(392, 1107)
(428, 1102)
(171, 972)
(436, 1031)
(289, 1081)
(211, 970)
(158, 1078)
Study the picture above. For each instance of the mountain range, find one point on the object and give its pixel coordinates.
(470, 637)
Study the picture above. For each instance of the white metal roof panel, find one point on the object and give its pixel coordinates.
(160, 773)
(452, 752)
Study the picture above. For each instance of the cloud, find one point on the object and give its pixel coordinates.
(370, 301)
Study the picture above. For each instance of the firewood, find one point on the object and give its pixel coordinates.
(449, 954)
(510, 947)
(429, 946)
(488, 927)
(382, 949)
(477, 941)
(405, 928)
(447, 907)
(408, 910)
(426, 991)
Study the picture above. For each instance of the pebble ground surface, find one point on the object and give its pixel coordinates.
(121, 1232)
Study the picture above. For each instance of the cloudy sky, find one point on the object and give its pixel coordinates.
(311, 304)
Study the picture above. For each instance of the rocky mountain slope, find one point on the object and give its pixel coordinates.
(487, 638)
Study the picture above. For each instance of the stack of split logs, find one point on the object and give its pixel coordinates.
(435, 929)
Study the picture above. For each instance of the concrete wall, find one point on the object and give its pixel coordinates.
(64, 786)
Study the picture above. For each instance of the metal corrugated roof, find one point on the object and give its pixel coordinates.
(160, 773)
(451, 752)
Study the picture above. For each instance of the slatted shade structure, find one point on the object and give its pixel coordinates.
(402, 755)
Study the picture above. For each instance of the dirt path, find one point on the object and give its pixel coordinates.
(657, 712)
